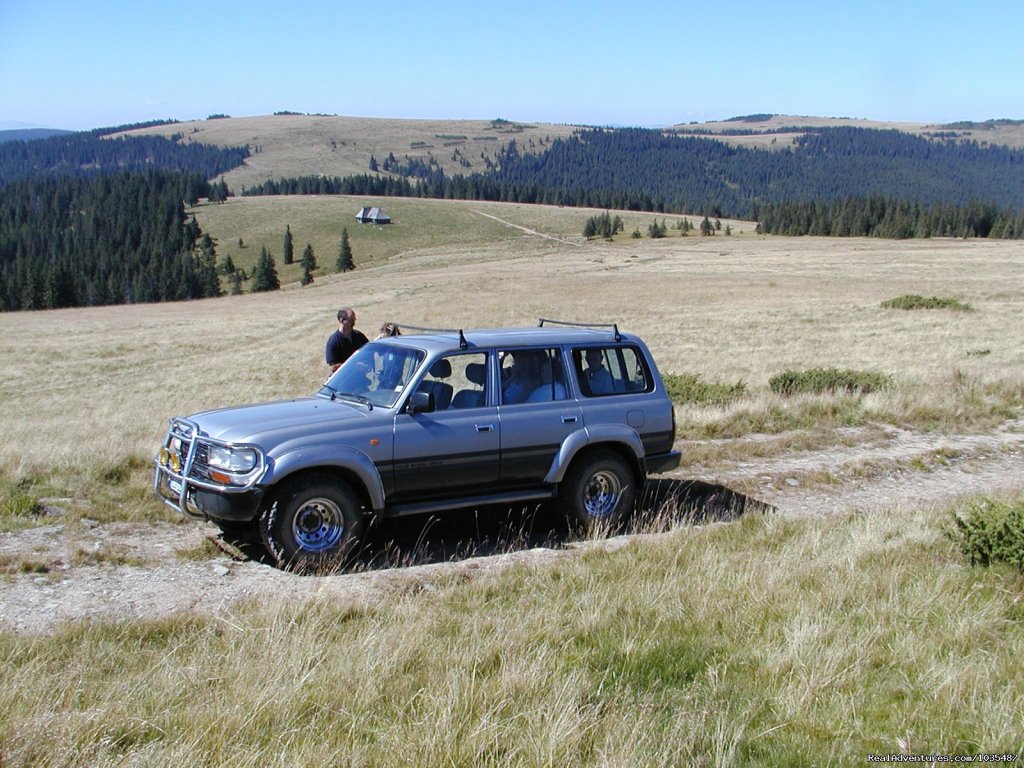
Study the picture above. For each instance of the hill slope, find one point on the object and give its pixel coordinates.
(286, 146)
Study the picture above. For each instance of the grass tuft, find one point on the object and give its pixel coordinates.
(990, 532)
(828, 380)
(690, 388)
(914, 301)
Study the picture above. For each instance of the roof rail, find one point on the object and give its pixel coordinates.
(398, 329)
(613, 326)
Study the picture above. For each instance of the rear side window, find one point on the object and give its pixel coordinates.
(604, 371)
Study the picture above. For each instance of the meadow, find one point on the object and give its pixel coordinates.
(770, 640)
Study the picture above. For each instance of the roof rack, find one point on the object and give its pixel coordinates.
(613, 326)
(398, 328)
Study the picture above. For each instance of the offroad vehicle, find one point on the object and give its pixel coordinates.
(427, 421)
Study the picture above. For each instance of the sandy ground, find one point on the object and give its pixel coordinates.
(867, 472)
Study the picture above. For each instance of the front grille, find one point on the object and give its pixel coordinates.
(201, 462)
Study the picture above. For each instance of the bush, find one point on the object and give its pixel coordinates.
(689, 388)
(913, 301)
(991, 532)
(826, 380)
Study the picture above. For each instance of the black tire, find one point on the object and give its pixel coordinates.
(235, 532)
(598, 492)
(313, 525)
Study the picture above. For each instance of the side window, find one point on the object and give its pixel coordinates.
(467, 377)
(604, 371)
(532, 376)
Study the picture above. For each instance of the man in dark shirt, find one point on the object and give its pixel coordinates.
(344, 341)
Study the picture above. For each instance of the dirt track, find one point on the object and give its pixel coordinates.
(868, 473)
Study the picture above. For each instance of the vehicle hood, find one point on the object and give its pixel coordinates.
(266, 424)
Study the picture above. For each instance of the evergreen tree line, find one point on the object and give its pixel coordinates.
(85, 154)
(647, 170)
(877, 216)
(264, 273)
(107, 239)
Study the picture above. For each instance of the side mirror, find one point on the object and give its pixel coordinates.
(420, 402)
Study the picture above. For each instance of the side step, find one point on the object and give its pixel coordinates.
(512, 497)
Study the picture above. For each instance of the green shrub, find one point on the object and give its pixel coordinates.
(825, 380)
(913, 301)
(689, 388)
(19, 505)
(991, 532)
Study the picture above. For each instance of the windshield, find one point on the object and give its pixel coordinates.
(378, 372)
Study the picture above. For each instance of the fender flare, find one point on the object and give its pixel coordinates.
(619, 434)
(346, 458)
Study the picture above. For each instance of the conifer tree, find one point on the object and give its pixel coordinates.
(345, 262)
(308, 264)
(264, 274)
(289, 247)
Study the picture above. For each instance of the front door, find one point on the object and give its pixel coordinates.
(454, 450)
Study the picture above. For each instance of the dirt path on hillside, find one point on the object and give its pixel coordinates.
(83, 570)
(529, 231)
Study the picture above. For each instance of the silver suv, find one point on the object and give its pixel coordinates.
(427, 421)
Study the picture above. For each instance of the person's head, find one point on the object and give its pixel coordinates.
(346, 319)
(544, 368)
(388, 329)
(594, 358)
(524, 363)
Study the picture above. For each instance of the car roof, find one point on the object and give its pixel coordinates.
(506, 338)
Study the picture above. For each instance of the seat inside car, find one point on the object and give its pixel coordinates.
(472, 398)
(435, 384)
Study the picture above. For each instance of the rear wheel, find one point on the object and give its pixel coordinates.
(314, 524)
(598, 491)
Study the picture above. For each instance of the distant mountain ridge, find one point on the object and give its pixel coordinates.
(29, 134)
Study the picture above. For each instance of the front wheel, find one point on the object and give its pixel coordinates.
(598, 491)
(314, 524)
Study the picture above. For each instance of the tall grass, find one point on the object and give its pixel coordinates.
(768, 641)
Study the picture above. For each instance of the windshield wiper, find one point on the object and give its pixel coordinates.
(358, 398)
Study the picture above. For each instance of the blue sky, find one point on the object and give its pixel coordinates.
(78, 65)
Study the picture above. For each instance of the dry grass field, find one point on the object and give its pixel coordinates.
(286, 146)
(1006, 134)
(842, 624)
(88, 385)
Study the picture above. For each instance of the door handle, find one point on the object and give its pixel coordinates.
(484, 427)
(568, 419)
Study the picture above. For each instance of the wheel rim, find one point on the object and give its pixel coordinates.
(318, 525)
(602, 493)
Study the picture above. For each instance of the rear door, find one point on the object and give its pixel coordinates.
(534, 425)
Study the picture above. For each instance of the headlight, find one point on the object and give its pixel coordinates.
(234, 460)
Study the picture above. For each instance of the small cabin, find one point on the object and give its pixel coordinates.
(372, 216)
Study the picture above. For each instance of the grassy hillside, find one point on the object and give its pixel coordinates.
(306, 145)
(418, 226)
(763, 130)
(725, 308)
(771, 641)
(309, 145)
